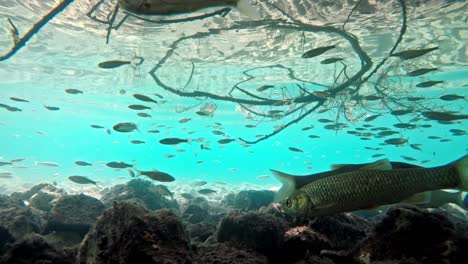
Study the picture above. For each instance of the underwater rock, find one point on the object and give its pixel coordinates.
(223, 253)
(139, 191)
(200, 232)
(74, 213)
(128, 233)
(408, 234)
(34, 249)
(18, 218)
(260, 232)
(300, 241)
(41, 196)
(5, 237)
(340, 231)
(194, 214)
(248, 200)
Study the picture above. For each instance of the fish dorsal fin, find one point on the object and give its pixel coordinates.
(419, 199)
(338, 166)
(289, 185)
(383, 164)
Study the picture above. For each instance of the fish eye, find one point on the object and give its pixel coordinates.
(288, 203)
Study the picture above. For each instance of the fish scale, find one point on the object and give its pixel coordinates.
(370, 188)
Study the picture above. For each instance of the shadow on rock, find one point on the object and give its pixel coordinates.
(35, 249)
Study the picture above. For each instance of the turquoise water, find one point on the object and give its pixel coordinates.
(54, 61)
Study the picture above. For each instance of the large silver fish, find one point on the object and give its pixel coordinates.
(364, 189)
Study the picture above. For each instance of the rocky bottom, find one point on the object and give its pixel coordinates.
(139, 222)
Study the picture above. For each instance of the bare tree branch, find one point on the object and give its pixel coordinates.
(19, 42)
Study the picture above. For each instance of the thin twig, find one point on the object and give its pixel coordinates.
(20, 42)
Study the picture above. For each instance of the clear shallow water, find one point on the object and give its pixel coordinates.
(65, 54)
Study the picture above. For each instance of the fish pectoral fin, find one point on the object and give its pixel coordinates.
(418, 199)
(288, 188)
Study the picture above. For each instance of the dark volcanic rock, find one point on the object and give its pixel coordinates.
(19, 219)
(41, 196)
(252, 200)
(222, 253)
(127, 233)
(139, 191)
(35, 249)
(253, 230)
(412, 235)
(74, 213)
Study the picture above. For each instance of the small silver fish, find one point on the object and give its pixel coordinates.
(47, 164)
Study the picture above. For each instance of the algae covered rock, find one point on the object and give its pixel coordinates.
(411, 235)
(128, 233)
(248, 200)
(223, 253)
(143, 192)
(18, 218)
(74, 213)
(261, 232)
(41, 196)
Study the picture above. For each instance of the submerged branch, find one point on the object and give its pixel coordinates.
(19, 42)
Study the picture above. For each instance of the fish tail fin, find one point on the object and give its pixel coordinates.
(463, 200)
(461, 166)
(288, 188)
(244, 7)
